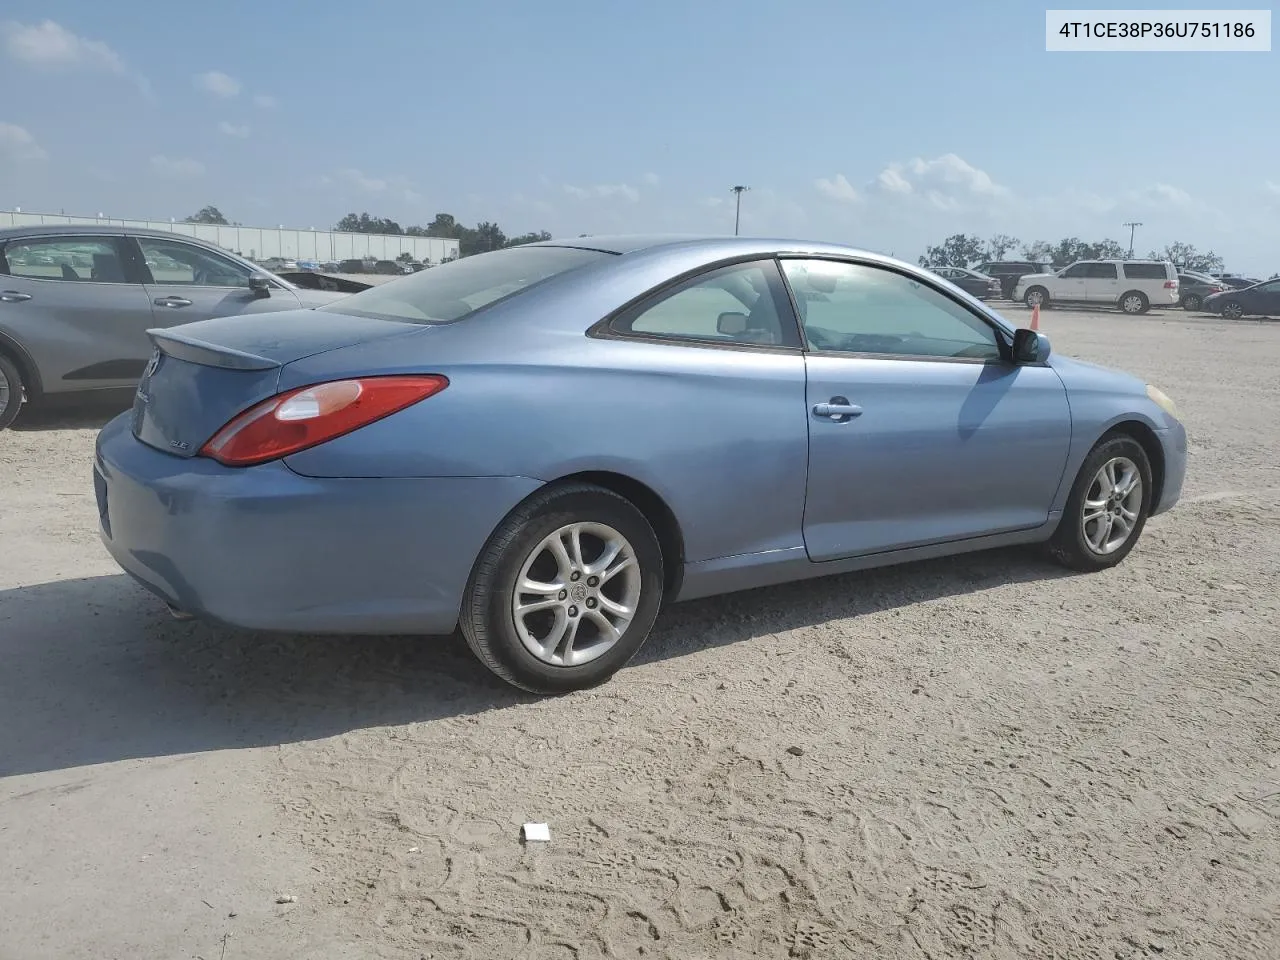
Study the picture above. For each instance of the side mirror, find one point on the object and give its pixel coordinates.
(1030, 346)
(732, 324)
(259, 286)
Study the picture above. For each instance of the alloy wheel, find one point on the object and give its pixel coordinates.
(1111, 506)
(576, 594)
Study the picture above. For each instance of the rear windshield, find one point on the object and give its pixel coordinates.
(455, 290)
(1144, 271)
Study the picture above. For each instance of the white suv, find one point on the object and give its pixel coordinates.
(1135, 286)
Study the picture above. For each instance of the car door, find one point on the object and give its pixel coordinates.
(75, 303)
(1265, 299)
(1102, 282)
(186, 282)
(920, 431)
(1070, 284)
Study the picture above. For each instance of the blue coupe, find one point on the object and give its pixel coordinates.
(541, 445)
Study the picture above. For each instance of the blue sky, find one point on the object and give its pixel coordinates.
(887, 126)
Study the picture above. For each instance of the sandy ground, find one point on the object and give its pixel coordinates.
(980, 757)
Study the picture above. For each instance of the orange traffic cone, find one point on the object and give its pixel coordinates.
(1035, 317)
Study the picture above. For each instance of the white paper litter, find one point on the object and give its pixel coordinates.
(537, 832)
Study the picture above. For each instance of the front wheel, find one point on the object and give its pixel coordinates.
(1036, 297)
(566, 590)
(1233, 310)
(1107, 509)
(11, 391)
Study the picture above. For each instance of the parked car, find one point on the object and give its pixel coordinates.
(1132, 285)
(1235, 282)
(971, 282)
(1194, 287)
(352, 266)
(418, 456)
(1009, 271)
(76, 303)
(1260, 300)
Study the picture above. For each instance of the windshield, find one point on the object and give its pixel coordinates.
(456, 290)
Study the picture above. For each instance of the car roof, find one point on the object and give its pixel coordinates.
(91, 229)
(708, 245)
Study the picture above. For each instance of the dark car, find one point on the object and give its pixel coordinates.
(388, 268)
(971, 282)
(1260, 300)
(1193, 288)
(1235, 282)
(1009, 272)
(351, 266)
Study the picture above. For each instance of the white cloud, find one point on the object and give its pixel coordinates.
(265, 101)
(177, 168)
(838, 188)
(939, 179)
(49, 44)
(17, 143)
(893, 181)
(651, 179)
(233, 130)
(604, 191)
(360, 180)
(219, 84)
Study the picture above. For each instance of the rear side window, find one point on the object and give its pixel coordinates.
(458, 289)
(77, 258)
(1144, 271)
(1101, 271)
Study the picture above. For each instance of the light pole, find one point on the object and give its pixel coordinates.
(1132, 225)
(737, 211)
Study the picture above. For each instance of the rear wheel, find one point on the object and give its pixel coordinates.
(1135, 302)
(11, 391)
(1191, 302)
(1107, 509)
(566, 590)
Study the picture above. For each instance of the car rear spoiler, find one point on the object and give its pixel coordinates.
(206, 354)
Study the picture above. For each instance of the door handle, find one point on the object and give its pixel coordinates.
(13, 296)
(838, 409)
(172, 302)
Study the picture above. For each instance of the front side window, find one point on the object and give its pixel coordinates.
(737, 304)
(1076, 270)
(92, 259)
(455, 290)
(856, 308)
(174, 262)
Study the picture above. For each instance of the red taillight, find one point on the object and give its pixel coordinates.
(1171, 284)
(293, 421)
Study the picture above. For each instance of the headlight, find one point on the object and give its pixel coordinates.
(1161, 400)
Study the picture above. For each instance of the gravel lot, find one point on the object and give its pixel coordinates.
(980, 757)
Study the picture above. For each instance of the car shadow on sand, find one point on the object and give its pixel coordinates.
(79, 414)
(96, 671)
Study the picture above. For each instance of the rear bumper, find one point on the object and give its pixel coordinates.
(267, 549)
(1173, 441)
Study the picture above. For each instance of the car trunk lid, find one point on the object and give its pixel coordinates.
(203, 374)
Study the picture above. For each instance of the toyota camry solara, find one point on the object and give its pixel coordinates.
(542, 444)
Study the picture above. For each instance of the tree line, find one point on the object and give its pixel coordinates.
(962, 250)
(484, 236)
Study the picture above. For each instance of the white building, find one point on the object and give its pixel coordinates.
(261, 243)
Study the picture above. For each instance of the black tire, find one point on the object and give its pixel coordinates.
(1134, 303)
(1029, 299)
(1068, 545)
(488, 621)
(1191, 302)
(10, 398)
